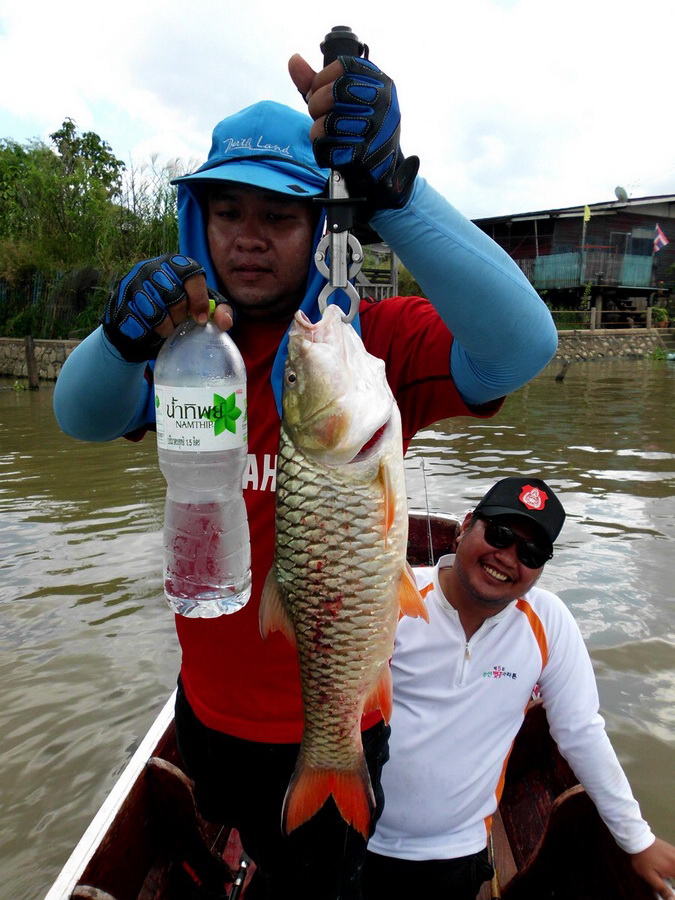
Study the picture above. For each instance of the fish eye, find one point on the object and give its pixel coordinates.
(291, 378)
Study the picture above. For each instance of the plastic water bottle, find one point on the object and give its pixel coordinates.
(200, 400)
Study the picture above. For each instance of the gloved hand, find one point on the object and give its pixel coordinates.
(141, 302)
(362, 137)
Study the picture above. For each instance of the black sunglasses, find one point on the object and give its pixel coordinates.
(501, 536)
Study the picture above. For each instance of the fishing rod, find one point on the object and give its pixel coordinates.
(240, 877)
(339, 246)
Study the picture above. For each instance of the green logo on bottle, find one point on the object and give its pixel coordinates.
(224, 413)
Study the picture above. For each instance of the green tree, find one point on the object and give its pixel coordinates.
(19, 185)
(87, 159)
(80, 187)
(72, 219)
(56, 199)
(146, 216)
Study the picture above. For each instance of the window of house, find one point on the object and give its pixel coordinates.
(620, 242)
(642, 240)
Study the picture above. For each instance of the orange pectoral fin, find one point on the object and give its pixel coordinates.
(273, 615)
(381, 695)
(410, 599)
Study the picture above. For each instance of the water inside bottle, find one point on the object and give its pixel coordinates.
(207, 556)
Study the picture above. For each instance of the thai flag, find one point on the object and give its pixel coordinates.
(660, 240)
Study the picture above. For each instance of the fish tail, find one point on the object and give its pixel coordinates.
(353, 795)
(310, 787)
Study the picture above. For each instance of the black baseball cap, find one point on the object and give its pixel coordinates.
(531, 498)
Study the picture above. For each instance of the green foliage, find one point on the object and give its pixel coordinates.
(376, 259)
(87, 160)
(21, 258)
(658, 353)
(55, 200)
(570, 319)
(145, 221)
(407, 286)
(73, 219)
(24, 322)
(585, 301)
(659, 314)
(89, 317)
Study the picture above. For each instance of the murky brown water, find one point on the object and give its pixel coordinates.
(87, 647)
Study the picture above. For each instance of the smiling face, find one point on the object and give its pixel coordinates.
(484, 579)
(261, 247)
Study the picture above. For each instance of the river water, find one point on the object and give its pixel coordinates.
(88, 652)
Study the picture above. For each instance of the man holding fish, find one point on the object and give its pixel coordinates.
(461, 688)
(307, 657)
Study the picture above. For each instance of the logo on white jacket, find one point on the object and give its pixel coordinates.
(499, 672)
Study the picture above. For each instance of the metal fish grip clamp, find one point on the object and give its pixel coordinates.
(340, 248)
(339, 255)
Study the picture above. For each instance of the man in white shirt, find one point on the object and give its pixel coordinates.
(461, 686)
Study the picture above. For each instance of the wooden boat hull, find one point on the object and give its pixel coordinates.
(148, 837)
(560, 846)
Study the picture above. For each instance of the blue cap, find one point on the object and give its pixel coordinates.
(266, 145)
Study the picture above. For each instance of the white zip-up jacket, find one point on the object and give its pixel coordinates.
(458, 706)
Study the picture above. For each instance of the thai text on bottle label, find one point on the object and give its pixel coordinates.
(200, 419)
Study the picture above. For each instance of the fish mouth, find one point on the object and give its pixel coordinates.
(371, 444)
(337, 454)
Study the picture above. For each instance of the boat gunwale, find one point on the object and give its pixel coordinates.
(88, 845)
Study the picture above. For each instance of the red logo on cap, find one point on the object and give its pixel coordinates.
(532, 497)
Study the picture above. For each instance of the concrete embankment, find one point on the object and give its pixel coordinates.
(619, 343)
(573, 346)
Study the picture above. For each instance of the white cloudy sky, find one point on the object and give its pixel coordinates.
(512, 105)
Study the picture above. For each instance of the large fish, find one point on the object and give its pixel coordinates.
(340, 578)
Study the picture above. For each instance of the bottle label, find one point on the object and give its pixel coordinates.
(200, 419)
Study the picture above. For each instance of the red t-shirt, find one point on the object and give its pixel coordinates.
(236, 682)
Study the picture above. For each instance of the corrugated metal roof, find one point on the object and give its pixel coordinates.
(610, 207)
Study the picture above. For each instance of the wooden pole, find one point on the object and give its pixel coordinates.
(582, 254)
(394, 274)
(495, 887)
(31, 363)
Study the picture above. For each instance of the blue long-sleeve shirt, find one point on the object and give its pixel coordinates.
(503, 332)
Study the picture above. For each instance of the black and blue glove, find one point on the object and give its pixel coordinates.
(362, 137)
(140, 302)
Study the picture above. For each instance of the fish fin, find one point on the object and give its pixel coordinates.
(308, 790)
(273, 615)
(353, 795)
(310, 787)
(410, 599)
(381, 695)
(389, 501)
